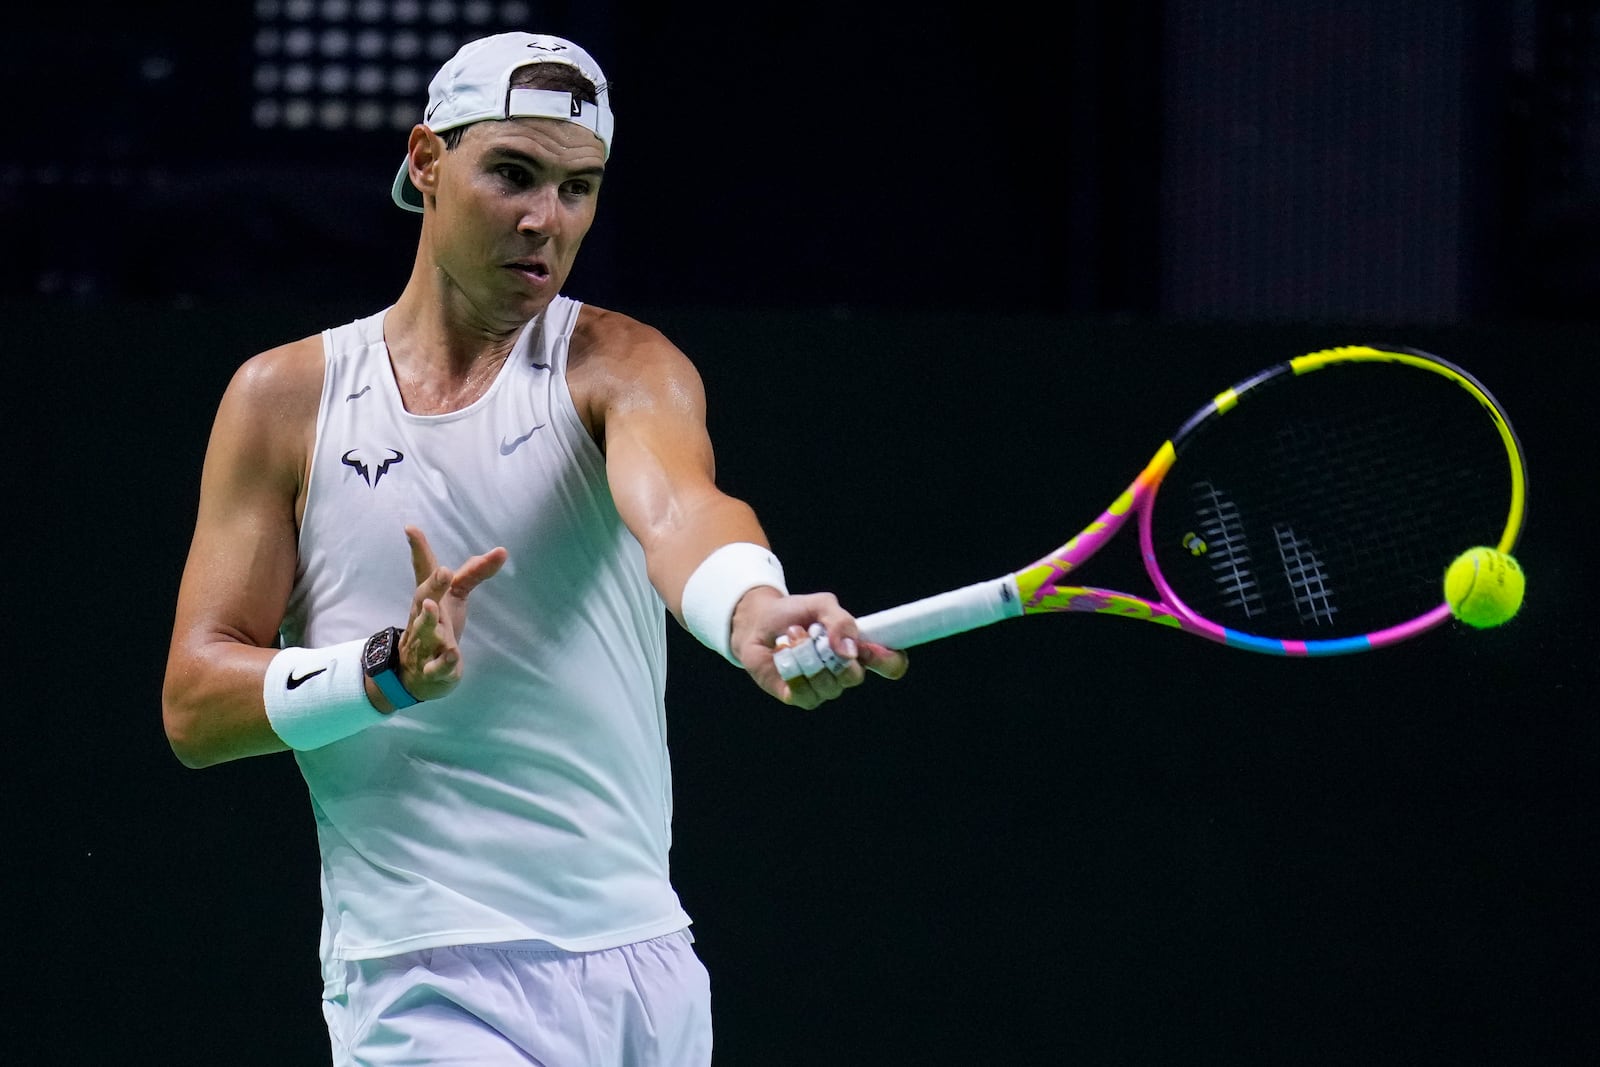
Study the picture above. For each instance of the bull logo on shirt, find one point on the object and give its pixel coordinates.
(370, 468)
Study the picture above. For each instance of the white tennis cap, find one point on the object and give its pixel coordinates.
(475, 85)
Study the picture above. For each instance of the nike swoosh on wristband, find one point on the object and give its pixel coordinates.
(508, 447)
(296, 683)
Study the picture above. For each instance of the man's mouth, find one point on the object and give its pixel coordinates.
(531, 268)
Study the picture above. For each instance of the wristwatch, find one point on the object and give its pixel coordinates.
(381, 662)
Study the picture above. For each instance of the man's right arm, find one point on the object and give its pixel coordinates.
(242, 558)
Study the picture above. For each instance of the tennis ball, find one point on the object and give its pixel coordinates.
(1484, 587)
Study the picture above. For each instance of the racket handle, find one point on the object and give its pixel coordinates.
(943, 614)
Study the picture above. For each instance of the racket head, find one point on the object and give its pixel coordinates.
(1312, 508)
(1315, 507)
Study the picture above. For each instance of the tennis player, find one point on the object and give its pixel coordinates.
(493, 804)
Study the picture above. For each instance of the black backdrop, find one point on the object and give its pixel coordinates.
(1059, 840)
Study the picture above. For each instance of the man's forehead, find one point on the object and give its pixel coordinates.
(547, 145)
(520, 131)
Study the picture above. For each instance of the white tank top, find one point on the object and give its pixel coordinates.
(534, 802)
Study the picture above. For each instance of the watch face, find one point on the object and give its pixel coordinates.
(380, 647)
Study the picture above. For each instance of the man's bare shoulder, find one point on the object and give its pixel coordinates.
(619, 356)
(282, 381)
(617, 363)
(616, 339)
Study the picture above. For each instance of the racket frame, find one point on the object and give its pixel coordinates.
(1037, 588)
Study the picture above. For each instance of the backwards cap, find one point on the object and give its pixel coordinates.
(475, 85)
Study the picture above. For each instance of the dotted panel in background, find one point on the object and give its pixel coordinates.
(360, 64)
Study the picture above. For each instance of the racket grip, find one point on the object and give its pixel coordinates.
(943, 614)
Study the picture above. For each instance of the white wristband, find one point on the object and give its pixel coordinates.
(316, 696)
(715, 587)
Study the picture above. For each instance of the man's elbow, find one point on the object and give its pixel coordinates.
(190, 724)
(185, 741)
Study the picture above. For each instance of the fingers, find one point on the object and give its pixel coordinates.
(812, 670)
(805, 649)
(436, 647)
(442, 670)
(459, 582)
(467, 577)
(423, 561)
(477, 570)
(883, 661)
(430, 648)
(808, 653)
(431, 660)
(431, 586)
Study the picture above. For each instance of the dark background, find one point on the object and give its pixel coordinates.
(967, 268)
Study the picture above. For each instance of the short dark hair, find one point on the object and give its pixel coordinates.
(558, 76)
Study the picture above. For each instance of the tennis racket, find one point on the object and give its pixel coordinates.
(1309, 510)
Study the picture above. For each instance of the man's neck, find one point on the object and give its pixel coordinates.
(445, 355)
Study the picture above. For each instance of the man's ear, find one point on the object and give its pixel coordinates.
(424, 151)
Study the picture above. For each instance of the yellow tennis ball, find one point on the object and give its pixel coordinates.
(1484, 587)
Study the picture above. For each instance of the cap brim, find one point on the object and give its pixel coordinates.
(404, 193)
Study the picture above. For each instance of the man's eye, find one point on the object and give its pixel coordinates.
(514, 175)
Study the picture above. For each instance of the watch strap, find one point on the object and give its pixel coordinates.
(388, 682)
(386, 676)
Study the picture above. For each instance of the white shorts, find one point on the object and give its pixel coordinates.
(642, 1005)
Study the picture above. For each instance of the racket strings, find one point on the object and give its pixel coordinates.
(1306, 576)
(1227, 550)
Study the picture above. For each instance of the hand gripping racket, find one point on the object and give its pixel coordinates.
(1310, 510)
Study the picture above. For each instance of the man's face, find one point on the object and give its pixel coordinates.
(513, 201)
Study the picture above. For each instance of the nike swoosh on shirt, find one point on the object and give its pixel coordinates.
(508, 447)
(296, 683)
